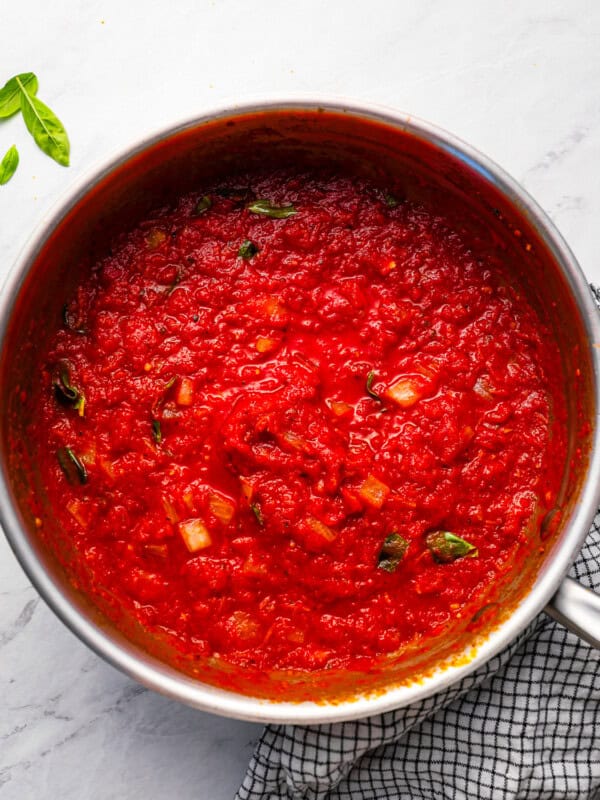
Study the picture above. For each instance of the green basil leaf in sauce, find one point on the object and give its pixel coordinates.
(247, 250)
(368, 387)
(9, 164)
(392, 552)
(390, 200)
(10, 94)
(71, 321)
(45, 127)
(266, 209)
(258, 514)
(64, 390)
(158, 404)
(156, 431)
(73, 468)
(446, 547)
(203, 205)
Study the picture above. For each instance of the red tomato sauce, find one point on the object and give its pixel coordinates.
(259, 432)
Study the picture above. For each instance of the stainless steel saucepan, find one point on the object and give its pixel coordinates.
(376, 143)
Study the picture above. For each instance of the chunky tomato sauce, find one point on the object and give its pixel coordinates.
(299, 422)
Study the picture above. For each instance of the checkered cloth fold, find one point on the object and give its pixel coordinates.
(526, 726)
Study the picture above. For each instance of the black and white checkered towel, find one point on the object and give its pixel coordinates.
(526, 726)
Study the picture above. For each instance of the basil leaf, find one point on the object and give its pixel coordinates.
(10, 94)
(9, 164)
(45, 127)
(369, 384)
(156, 431)
(258, 514)
(394, 546)
(390, 200)
(392, 552)
(73, 468)
(446, 547)
(158, 404)
(266, 209)
(203, 205)
(247, 250)
(65, 392)
(71, 321)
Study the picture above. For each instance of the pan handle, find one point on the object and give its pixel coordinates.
(578, 609)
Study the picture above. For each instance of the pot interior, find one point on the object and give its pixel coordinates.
(429, 167)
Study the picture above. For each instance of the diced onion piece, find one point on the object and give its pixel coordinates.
(406, 391)
(374, 492)
(320, 528)
(185, 392)
(195, 534)
(221, 507)
(78, 510)
(340, 409)
(108, 467)
(155, 237)
(483, 388)
(247, 489)
(274, 309)
(87, 454)
(253, 566)
(243, 625)
(188, 499)
(295, 441)
(265, 345)
(169, 508)
(467, 433)
(160, 550)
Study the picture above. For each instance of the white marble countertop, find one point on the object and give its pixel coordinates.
(518, 80)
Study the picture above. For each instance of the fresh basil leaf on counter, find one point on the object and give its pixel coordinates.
(45, 127)
(10, 94)
(9, 164)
